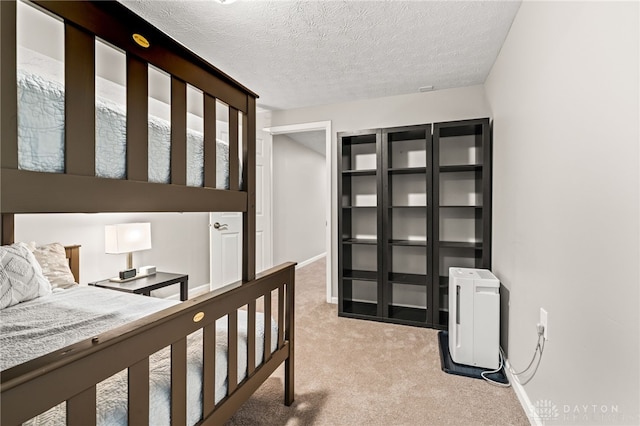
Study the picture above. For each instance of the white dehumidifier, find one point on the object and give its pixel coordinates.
(474, 317)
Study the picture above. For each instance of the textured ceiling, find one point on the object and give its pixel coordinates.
(303, 53)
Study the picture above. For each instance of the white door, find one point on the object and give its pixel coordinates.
(226, 248)
(226, 236)
(264, 251)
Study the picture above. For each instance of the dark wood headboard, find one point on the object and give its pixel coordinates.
(73, 254)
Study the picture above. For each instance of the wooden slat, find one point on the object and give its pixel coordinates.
(230, 405)
(80, 93)
(9, 84)
(281, 311)
(49, 192)
(179, 382)
(249, 185)
(81, 409)
(251, 338)
(208, 368)
(289, 365)
(137, 119)
(138, 410)
(234, 167)
(8, 223)
(178, 132)
(209, 141)
(232, 373)
(267, 327)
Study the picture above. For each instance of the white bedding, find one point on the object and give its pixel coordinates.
(45, 324)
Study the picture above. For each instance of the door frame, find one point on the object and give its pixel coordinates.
(309, 127)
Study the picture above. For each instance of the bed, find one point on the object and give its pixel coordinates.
(216, 176)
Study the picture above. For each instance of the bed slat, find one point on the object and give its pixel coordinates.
(9, 84)
(8, 222)
(267, 327)
(80, 93)
(251, 338)
(209, 141)
(234, 168)
(138, 411)
(137, 119)
(179, 382)
(208, 368)
(81, 409)
(232, 354)
(249, 185)
(231, 404)
(289, 364)
(178, 132)
(281, 316)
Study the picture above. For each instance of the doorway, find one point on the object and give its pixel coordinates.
(314, 136)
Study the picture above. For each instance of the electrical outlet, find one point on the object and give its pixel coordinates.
(544, 321)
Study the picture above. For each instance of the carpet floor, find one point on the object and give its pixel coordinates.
(356, 372)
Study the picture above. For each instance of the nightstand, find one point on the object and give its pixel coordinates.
(145, 285)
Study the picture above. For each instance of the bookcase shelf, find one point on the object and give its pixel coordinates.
(365, 172)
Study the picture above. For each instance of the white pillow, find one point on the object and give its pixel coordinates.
(54, 263)
(21, 277)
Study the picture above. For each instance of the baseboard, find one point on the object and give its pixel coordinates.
(527, 406)
(309, 261)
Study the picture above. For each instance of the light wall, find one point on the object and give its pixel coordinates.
(564, 94)
(180, 242)
(403, 110)
(299, 201)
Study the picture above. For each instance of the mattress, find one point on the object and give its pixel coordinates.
(37, 327)
(41, 135)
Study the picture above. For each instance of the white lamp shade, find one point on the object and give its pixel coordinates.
(127, 237)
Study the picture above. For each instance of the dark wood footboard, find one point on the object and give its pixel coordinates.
(71, 374)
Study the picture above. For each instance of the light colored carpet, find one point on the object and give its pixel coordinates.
(355, 372)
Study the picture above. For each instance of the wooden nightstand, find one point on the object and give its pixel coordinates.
(145, 285)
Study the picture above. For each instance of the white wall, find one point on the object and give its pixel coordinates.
(180, 242)
(403, 110)
(564, 94)
(299, 201)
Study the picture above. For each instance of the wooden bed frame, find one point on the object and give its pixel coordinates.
(73, 254)
(71, 374)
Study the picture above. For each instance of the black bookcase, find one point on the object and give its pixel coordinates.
(412, 201)
(462, 202)
(360, 224)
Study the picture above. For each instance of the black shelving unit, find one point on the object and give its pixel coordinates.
(462, 202)
(396, 210)
(359, 227)
(406, 220)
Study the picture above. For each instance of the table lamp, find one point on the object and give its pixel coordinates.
(127, 238)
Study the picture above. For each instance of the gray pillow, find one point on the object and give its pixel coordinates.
(55, 265)
(21, 277)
